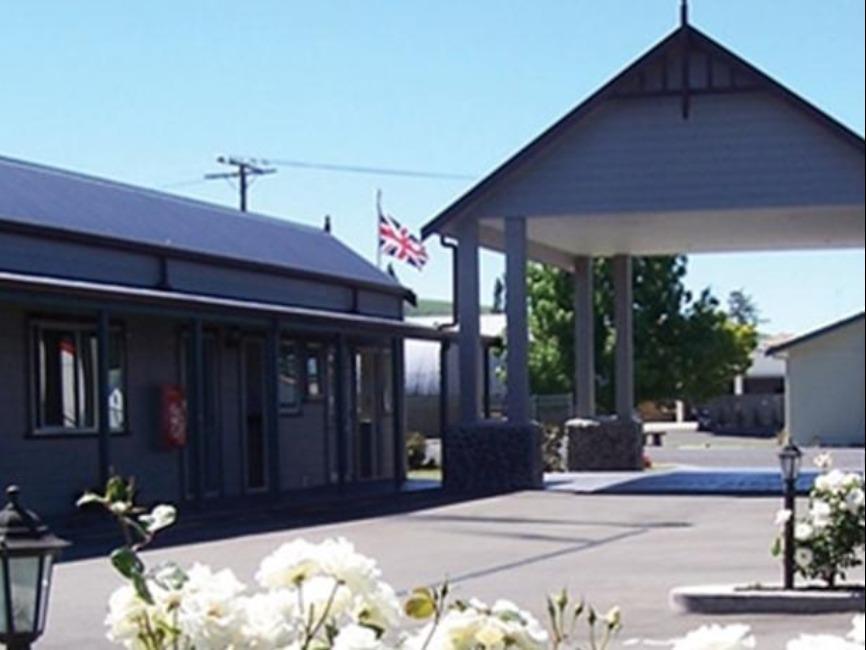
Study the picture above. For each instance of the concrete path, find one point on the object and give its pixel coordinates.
(612, 549)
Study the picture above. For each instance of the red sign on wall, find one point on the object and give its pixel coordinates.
(173, 416)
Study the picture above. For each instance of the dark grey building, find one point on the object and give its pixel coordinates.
(210, 353)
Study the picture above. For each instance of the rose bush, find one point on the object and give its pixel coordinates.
(829, 537)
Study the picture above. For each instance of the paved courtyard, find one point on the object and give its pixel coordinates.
(622, 550)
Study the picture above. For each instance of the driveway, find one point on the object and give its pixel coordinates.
(612, 549)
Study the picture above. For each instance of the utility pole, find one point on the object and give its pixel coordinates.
(246, 170)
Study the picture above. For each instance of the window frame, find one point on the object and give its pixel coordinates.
(314, 351)
(296, 407)
(81, 328)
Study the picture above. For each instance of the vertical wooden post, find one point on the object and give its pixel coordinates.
(469, 336)
(343, 372)
(584, 343)
(516, 318)
(195, 402)
(444, 406)
(272, 404)
(103, 332)
(623, 319)
(399, 411)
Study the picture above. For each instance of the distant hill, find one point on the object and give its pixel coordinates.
(433, 307)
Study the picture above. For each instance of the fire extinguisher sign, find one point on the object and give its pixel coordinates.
(173, 415)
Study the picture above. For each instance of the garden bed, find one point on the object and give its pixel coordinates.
(756, 599)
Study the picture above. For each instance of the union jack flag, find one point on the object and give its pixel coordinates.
(396, 240)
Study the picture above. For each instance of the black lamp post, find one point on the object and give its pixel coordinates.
(27, 554)
(789, 460)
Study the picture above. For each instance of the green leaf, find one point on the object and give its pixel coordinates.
(127, 562)
(117, 490)
(141, 588)
(776, 548)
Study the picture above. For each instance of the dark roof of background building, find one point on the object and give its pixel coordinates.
(810, 336)
(42, 197)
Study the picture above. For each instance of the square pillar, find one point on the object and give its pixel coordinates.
(584, 339)
(515, 312)
(624, 325)
(469, 314)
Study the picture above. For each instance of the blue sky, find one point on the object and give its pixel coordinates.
(150, 93)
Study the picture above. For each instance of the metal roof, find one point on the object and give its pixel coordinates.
(810, 336)
(44, 198)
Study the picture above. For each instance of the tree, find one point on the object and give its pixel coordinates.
(498, 296)
(742, 308)
(685, 347)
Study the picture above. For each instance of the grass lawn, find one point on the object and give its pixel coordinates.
(433, 474)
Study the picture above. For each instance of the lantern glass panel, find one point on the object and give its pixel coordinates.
(46, 589)
(2, 596)
(24, 582)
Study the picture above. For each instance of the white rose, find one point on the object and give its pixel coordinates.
(338, 558)
(126, 614)
(858, 629)
(832, 481)
(855, 500)
(357, 637)
(717, 637)
(803, 557)
(270, 619)
(821, 513)
(210, 613)
(803, 531)
(290, 564)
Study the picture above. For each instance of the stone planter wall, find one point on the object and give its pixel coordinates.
(604, 444)
(493, 457)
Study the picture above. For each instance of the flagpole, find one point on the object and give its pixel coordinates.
(378, 219)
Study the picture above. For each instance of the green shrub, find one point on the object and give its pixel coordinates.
(553, 449)
(416, 450)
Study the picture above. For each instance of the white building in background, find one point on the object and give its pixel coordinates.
(824, 384)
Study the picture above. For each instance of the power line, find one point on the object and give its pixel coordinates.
(247, 170)
(361, 169)
(183, 183)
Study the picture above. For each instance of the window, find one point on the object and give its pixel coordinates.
(288, 385)
(313, 369)
(66, 379)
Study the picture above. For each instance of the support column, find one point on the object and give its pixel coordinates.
(623, 323)
(485, 385)
(272, 404)
(515, 313)
(343, 371)
(444, 407)
(584, 339)
(469, 337)
(399, 396)
(195, 401)
(102, 395)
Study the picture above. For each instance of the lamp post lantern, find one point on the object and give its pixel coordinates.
(27, 554)
(789, 460)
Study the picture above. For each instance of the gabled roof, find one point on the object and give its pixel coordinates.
(685, 38)
(44, 200)
(818, 333)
